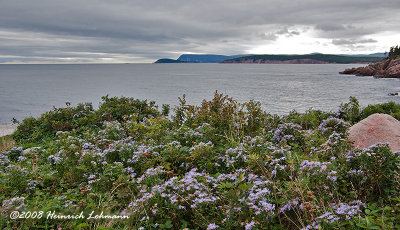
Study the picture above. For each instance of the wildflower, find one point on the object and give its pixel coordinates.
(249, 225)
(313, 167)
(56, 158)
(68, 203)
(332, 176)
(21, 158)
(212, 226)
(332, 124)
(289, 205)
(154, 211)
(314, 225)
(151, 172)
(284, 132)
(32, 184)
(92, 176)
(15, 203)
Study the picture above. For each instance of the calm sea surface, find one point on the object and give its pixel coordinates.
(29, 90)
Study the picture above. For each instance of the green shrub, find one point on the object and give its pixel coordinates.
(116, 108)
(79, 119)
(349, 111)
(390, 108)
(374, 171)
(223, 164)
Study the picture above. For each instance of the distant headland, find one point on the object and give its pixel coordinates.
(200, 58)
(315, 58)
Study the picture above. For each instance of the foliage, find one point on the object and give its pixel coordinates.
(83, 117)
(221, 165)
(79, 118)
(394, 52)
(350, 111)
(115, 108)
(227, 117)
(390, 108)
(373, 170)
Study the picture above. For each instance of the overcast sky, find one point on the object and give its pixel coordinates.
(69, 31)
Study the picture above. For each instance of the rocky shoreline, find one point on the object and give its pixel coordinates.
(387, 68)
(7, 130)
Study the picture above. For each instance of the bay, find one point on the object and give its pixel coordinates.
(29, 90)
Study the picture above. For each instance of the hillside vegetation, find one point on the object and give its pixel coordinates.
(221, 165)
(329, 58)
(394, 52)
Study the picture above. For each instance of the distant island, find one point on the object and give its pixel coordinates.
(315, 58)
(389, 67)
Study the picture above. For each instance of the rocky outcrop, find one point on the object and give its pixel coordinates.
(388, 68)
(263, 61)
(376, 128)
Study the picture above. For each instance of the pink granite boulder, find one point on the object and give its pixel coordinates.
(376, 128)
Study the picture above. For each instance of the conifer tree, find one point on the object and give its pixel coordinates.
(394, 51)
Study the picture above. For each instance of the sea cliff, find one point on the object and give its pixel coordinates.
(387, 68)
(315, 58)
(294, 61)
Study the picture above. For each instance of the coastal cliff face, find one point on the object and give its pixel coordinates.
(261, 61)
(388, 68)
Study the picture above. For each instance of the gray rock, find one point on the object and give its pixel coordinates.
(29, 150)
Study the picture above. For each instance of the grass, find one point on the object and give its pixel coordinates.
(6, 143)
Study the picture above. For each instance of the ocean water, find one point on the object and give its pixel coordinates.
(29, 90)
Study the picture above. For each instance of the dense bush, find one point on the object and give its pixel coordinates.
(79, 118)
(390, 108)
(226, 116)
(115, 108)
(221, 165)
(83, 118)
(352, 112)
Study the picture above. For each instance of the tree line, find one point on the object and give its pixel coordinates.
(394, 52)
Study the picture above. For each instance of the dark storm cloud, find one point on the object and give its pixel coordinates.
(100, 30)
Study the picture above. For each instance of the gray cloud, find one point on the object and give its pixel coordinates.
(289, 33)
(352, 41)
(332, 27)
(269, 36)
(354, 44)
(283, 31)
(126, 30)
